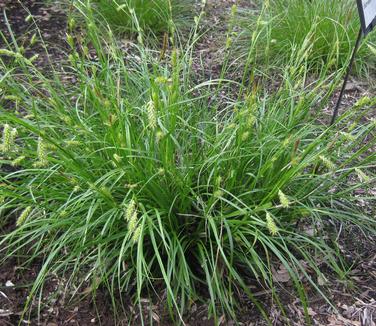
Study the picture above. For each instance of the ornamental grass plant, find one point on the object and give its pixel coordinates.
(128, 179)
(331, 28)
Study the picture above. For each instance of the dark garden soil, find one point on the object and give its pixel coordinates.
(353, 298)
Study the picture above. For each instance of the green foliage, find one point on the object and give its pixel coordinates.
(151, 15)
(128, 178)
(330, 28)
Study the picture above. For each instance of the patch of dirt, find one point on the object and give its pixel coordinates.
(23, 19)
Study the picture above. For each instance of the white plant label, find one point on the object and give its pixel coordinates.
(367, 13)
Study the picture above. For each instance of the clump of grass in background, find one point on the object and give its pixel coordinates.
(128, 179)
(152, 15)
(330, 27)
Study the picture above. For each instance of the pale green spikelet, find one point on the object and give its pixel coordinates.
(234, 10)
(33, 39)
(283, 199)
(132, 224)
(136, 234)
(63, 213)
(251, 120)
(152, 117)
(245, 136)
(17, 161)
(8, 53)
(286, 142)
(218, 181)
(270, 224)
(9, 137)
(34, 57)
(174, 58)
(14, 98)
(130, 185)
(42, 154)
(327, 162)
(130, 210)
(13, 135)
(71, 23)
(218, 193)
(228, 42)
(6, 138)
(70, 40)
(362, 176)
(73, 142)
(23, 216)
(117, 158)
(159, 135)
(161, 80)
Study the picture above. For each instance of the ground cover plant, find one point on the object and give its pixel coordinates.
(128, 178)
(331, 28)
(152, 15)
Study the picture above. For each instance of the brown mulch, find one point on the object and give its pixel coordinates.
(354, 298)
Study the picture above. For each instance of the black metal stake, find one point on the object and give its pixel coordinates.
(335, 112)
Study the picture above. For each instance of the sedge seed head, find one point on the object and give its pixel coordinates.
(283, 199)
(270, 224)
(327, 162)
(245, 136)
(136, 234)
(132, 224)
(362, 176)
(41, 153)
(130, 210)
(73, 142)
(228, 42)
(18, 161)
(218, 193)
(152, 117)
(251, 120)
(117, 158)
(159, 135)
(130, 185)
(9, 137)
(23, 216)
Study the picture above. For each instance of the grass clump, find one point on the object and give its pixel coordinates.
(152, 15)
(129, 179)
(330, 27)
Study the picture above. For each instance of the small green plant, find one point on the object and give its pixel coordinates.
(330, 27)
(128, 178)
(152, 15)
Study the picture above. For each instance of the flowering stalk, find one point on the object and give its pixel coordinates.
(42, 154)
(152, 117)
(9, 137)
(270, 224)
(24, 215)
(283, 199)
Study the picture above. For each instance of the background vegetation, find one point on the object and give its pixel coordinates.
(153, 16)
(329, 27)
